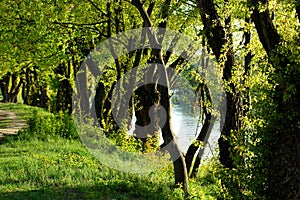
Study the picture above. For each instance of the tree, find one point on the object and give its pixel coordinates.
(283, 127)
(181, 176)
(281, 135)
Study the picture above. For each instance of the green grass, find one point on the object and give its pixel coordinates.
(59, 168)
(21, 110)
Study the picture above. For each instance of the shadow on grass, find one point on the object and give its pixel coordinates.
(110, 191)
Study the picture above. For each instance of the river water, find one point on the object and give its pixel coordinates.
(184, 124)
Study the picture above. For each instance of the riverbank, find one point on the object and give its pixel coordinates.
(54, 167)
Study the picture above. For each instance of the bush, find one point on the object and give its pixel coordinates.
(43, 125)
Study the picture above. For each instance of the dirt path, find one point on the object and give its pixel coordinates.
(10, 124)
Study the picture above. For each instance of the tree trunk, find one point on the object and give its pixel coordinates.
(64, 91)
(247, 63)
(284, 171)
(4, 83)
(144, 99)
(143, 96)
(103, 106)
(26, 86)
(99, 101)
(10, 95)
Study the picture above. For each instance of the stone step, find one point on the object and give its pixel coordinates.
(9, 131)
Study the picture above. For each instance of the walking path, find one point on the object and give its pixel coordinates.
(10, 124)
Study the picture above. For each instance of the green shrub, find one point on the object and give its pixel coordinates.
(43, 125)
(125, 141)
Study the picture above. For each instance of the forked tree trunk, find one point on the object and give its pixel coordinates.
(181, 176)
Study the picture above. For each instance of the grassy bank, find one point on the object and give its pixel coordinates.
(57, 167)
(21, 110)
